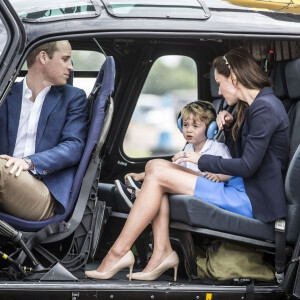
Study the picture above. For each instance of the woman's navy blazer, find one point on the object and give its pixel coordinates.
(261, 156)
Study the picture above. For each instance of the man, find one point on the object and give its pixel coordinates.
(43, 128)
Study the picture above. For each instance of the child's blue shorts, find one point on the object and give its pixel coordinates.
(230, 196)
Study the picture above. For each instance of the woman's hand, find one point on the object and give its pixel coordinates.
(212, 177)
(224, 118)
(135, 176)
(190, 156)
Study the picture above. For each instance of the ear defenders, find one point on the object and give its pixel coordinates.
(211, 129)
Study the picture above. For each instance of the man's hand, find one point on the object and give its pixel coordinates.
(135, 176)
(18, 164)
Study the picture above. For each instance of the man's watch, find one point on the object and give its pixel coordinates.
(28, 161)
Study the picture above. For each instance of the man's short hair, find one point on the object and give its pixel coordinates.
(49, 48)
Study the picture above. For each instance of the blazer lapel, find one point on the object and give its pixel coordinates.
(14, 105)
(51, 100)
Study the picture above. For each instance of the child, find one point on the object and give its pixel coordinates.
(196, 121)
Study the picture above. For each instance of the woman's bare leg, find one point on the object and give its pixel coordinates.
(160, 225)
(166, 163)
(159, 180)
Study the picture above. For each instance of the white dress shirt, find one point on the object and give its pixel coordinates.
(29, 118)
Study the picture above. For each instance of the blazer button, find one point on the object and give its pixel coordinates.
(47, 171)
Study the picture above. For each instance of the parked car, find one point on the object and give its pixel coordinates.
(155, 56)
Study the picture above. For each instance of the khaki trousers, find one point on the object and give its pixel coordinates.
(24, 197)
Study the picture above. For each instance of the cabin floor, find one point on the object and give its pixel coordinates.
(119, 287)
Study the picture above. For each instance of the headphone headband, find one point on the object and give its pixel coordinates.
(206, 105)
(212, 127)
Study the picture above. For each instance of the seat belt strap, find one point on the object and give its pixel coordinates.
(40, 236)
(250, 291)
(61, 227)
(280, 245)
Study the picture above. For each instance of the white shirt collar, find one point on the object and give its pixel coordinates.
(27, 93)
(26, 90)
(205, 148)
(207, 145)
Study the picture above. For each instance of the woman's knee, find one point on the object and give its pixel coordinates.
(155, 169)
(152, 164)
(156, 163)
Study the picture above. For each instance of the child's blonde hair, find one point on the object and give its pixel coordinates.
(199, 112)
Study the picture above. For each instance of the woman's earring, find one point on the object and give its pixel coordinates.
(233, 79)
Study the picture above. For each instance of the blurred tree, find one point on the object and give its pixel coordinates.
(164, 77)
(87, 60)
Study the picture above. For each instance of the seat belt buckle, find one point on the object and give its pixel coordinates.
(279, 277)
(280, 225)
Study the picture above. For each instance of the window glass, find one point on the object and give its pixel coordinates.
(191, 9)
(86, 61)
(3, 37)
(46, 10)
(172, 83)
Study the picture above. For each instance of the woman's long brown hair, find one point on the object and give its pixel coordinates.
(247, 72)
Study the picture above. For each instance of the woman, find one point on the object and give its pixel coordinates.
(261, 137)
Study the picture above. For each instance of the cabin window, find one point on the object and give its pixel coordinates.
(168, 9)
(171, 83)
(44, 11)
(3, 37)
(86, 67)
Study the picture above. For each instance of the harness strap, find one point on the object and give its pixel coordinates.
(40, 236)
(280, 254)
(250, 291)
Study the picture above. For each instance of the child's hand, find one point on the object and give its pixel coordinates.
(190, 156)
(212, 177)
(135, 176)
(224, 118)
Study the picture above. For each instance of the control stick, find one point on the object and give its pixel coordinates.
(16, 237)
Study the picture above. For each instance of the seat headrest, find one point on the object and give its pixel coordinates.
(279, 80)
(214, 89)
(292, 75)
(292, 191)
(70, 79)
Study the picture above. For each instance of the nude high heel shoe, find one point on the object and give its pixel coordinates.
(126, 261)
(171, 261)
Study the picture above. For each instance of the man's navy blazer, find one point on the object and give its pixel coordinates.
(261, 156)
(60, 139)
